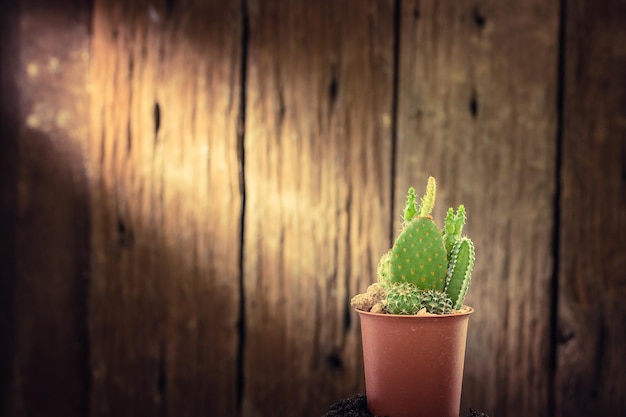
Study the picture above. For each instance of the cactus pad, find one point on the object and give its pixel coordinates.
(419, 255)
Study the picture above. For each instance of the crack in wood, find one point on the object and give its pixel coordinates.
(334, 361)
(281, 107)
(125, 236)
(473, 105)
(169, 7)
(129, 137)
(240, 366)
(157, 121)
(333, 90)
(479, 19)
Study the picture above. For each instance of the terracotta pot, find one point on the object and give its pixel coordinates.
(414, 364)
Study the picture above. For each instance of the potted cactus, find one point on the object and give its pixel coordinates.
(413, 321)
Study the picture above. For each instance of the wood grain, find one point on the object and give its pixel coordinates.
(9, 145)
(9, 115)
(592, 282)
(192, 191)
(477, 110)
(166, 208)
(318, 175)
(49, 375)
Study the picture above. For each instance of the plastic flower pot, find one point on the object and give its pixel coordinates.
(414, 364)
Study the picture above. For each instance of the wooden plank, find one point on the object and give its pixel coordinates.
(49, 361)
(318, 174)
(49, 364)
(477, 110)
(9, 125)
(592, 282)
(166, 208)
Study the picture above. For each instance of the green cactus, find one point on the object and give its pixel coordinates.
(460, 271)
(436, 302)
(409, 207)
(453, 227)
(428, 201)
(403, 298)
(426, 267)
(419, 255)
(406, 298)
(383, 270)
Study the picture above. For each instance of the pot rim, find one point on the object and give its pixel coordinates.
(465, 311)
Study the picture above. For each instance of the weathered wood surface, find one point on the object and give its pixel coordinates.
(592, 279)
(269, 127)
(318, 175)
(9, 116)
(166, 208)
(51, 216)
(477, 109)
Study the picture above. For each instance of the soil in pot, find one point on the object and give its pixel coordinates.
(356, 406)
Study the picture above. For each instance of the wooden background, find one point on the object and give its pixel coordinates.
(193, 190)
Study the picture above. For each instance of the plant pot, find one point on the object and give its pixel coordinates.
(414, 364)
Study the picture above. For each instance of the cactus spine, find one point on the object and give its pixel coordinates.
(426, 267)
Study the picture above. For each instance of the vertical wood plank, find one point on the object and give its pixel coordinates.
(318, 172)
(199, 96)
(592, 282)
(49, 364)
(166, 208)
(9, 125)
(477, 109)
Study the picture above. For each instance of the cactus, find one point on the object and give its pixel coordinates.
(426, 267)
(436, 302)
(460, 271)
(409, 207)
(406, 298)
(453, 227)
(428, 201)
(384, 278)
(403, 298)
(419, 255)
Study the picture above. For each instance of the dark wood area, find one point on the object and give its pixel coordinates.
(191, 192)
(44, 130)
(592, 272)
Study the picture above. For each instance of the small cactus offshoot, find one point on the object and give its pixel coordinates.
(427, 268)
